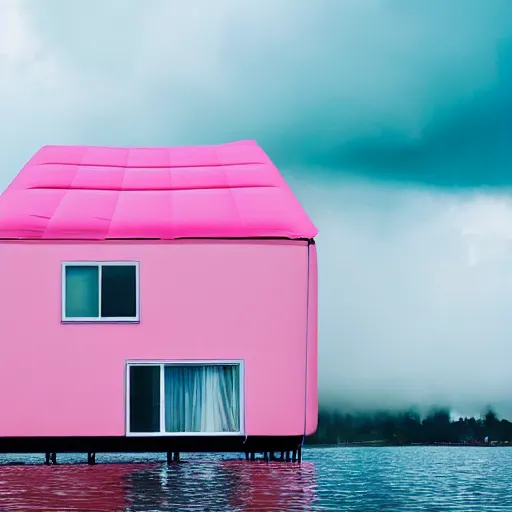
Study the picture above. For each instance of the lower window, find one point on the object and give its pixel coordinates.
(184, 398)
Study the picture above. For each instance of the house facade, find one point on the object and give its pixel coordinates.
(156, 298)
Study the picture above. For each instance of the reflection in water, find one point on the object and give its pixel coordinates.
(272, 486)
(226, 485)
(66, 487)
(407, 479)
(199, 485)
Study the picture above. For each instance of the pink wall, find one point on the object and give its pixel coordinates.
(199, 299)
(312, 351)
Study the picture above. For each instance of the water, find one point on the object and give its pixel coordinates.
(341, 479)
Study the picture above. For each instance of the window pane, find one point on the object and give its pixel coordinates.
(81, 294)
(144, 399)
(118, 291)
(202, 398)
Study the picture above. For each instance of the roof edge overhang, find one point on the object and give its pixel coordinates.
(164, 240)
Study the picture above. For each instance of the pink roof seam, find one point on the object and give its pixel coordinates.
(235, 203)
(198, 166)
(119, 189)
(118, 196)
(63, 197)
(171, 185)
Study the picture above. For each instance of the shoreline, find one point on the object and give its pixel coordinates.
(385, 444)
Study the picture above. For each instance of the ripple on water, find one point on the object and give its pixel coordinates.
(342, 479)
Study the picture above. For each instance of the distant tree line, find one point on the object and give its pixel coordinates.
(408, 427)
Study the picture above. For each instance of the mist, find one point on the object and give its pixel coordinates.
(415, 293)
(391, 120)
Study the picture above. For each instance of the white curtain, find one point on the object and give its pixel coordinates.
(202, 398)
(82, 291)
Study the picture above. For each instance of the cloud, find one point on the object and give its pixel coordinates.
(374, 109)
(35, 93)
(415, 294)
(327, 82)
(465, 144)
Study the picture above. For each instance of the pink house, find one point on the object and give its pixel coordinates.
(156, 299)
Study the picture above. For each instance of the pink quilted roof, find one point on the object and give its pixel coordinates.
(94, 193)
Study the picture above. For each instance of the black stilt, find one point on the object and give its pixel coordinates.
(173, 457)
(246, 455)
(294, 456)
(47, 458)
(91, 458)
(265, 456)
(54, 458)
(288, 456)
(253, 456)
(299, 458)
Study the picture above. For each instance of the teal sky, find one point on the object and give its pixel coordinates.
(391, 119)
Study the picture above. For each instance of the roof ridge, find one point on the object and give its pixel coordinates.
(241, 142)
(149, 166)
(121, 189)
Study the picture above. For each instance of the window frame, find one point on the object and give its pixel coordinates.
(192, 362)
(99, 319)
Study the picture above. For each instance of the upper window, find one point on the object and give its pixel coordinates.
(100, 292)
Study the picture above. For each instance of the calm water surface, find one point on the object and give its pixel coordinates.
(342, 479)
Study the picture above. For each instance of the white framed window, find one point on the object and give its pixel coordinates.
(100, 291)
(184, 398)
